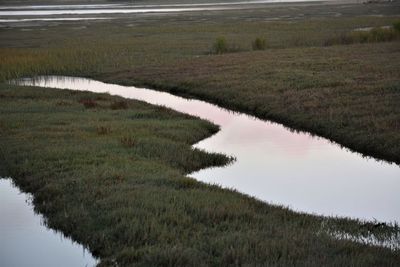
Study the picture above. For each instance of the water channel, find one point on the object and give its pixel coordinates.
(25, 240)
(306, 173)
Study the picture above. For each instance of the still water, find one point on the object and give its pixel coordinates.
(26, 242)
(306, 173)
(47, 10)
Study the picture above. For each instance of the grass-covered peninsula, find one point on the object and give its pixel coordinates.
(109, 173)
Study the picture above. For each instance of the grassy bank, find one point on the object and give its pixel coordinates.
(348, 93)
(109, 173)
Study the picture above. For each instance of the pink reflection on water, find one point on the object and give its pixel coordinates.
(276, 165)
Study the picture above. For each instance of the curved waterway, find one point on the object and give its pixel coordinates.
(25, 241)
(306, 173)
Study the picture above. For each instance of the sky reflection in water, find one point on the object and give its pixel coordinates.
(276, 165)
(26, 242)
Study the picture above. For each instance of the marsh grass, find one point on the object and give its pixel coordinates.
(119, 105)
(371, 233)
(396, 25)
(259, 44)
(292, 82)
(104, 130)
(133, 206)
(371, 36)
(220, 46)
(88, 103)
(128, 141)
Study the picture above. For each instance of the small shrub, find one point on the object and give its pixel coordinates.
(88, 103)
(259, 44)
(119, 105)
(220, 46)
(128, 141)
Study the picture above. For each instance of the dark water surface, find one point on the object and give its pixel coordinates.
(306, 173)
(26, 242)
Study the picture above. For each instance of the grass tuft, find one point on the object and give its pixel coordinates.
(119, 105)
(259, 44)
(103, 130)
(128, 141)
(220, 46)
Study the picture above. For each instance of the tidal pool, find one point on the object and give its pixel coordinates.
(25, 241)
(306, 173)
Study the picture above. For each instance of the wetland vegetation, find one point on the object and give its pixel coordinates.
(110, 172)
(297, 80)
(113, 179)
